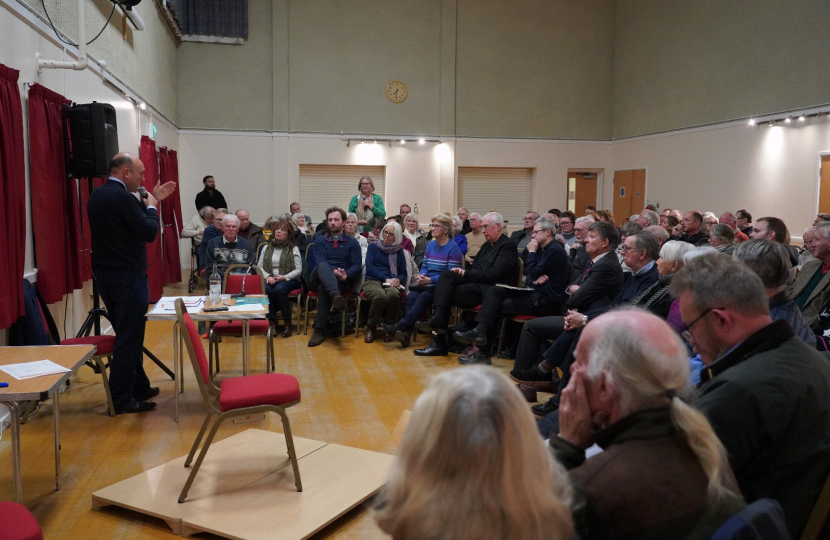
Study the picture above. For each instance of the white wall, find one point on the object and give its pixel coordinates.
(20, 39)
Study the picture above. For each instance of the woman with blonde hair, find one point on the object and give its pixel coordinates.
(282, 265)
(471, 465)
(415, 236)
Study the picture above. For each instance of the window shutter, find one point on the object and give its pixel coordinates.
(507, 191)
(324, 186)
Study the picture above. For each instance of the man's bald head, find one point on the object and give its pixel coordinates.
(127, 168)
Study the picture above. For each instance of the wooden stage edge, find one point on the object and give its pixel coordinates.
(245, 488)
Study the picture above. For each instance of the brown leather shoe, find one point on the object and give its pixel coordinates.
(388, 338)
(286, 331)
(370, 335)
(528, 392)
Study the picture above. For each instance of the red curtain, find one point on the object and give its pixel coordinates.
(171, 216)
(12, 197)
(149, 157)
(57, 215)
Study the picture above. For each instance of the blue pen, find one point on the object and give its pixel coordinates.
(3, 384)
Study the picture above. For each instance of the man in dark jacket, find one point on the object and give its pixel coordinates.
(548, 274)
(765, 391)
(249, 231)
(496, 262)
(121, 225)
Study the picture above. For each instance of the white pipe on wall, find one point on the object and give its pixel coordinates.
(82, 61)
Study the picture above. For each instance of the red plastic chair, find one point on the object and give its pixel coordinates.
(232, 284)
(238, 396)
(17, 523)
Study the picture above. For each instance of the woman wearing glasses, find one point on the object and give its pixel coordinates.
(366, 204)
(385, 278)
(441, 254)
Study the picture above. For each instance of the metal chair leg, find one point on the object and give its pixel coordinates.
(100, 362)
(201, 457)
(356, 318)
(198, 440)
(292, 454)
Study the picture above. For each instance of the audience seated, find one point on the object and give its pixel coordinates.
(744, 222)
(577, 255)
(211, 232)
(411, 233)
(195, 228)
(807, 253)
(475, 238)
(567, 236)
(722, 238)
(647, 218)
(386, 277)
(334, 268)
(765, 392)
(772, 228)
(457, 236)
(663, 472)
(811, 288)
(523, 236)
(770, 261)
(227, 249)
(470, 465)
(299, 223)
(404, 211)
(294, 208)
(728, 218)
(659, 232)
(350, 228)
(605, 215)
(692, 233)
(464, 214)
(406, 243)
(374, 227)
(367, 204)
(248, 230)
(496, 262)
(669, 223)
(300, 233)
(709, 221)
(547, 274)
(282, 266)
(441, 254)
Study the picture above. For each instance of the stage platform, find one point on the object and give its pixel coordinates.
(245, 488)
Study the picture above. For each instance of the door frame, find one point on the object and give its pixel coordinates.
(600, 182)
(817, 192)
(645, 184)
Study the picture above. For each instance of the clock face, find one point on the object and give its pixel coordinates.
(396, 91)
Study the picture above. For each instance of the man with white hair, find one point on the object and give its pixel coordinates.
(463, 213)
(811, 288)
(496, 262)
(228, 249)
(195, 228)
(765, 391)
(475, 238)
(630, 371)
(647, 218)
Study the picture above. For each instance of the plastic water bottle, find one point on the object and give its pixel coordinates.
(215, 287)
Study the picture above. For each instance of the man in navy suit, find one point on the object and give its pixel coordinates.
(121, 226)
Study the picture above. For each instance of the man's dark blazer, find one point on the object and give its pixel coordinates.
(121, 228)
(494, 263)
(605, 279)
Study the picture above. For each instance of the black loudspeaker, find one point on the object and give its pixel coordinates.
(91, 139)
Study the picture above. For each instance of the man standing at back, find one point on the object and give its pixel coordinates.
(121, 226)
(210, 196)
(765, 392)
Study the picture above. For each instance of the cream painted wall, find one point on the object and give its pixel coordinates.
(145, 61)
(18, 43)
(768, 171)
(682, 64)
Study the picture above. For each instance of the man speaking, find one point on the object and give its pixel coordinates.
(121, 225)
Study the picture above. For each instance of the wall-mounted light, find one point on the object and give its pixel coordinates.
(403, 141)
(751, 121)
(801, 115)
(142, 106)
(802, 118)
(421, 141)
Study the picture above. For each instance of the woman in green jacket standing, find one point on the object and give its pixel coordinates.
(366, 204)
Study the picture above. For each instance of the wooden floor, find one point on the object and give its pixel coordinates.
(352, 394)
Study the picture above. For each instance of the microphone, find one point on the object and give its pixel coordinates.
(244, 278)
(142, 192)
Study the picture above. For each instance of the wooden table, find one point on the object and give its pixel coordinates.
(71, 357)
(156, 314)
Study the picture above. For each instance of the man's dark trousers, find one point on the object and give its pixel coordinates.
(455, 289)
(500, 301)
(326, 284)
(126, 296)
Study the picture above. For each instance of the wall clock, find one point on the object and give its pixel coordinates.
(396, 91)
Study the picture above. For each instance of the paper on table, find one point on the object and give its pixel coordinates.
(30, 370)
(247, 307)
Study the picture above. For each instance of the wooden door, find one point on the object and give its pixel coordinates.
(629, 193)
(586, 192)
(824, 186)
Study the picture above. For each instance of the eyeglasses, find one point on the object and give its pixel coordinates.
(625, 249)
(529, 219)
(563, 222)
(388, 233)
(710, 222)
(536, 231)
(436, 226)
(487, 226)
(687, 334)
